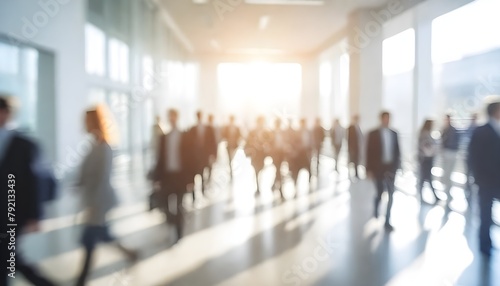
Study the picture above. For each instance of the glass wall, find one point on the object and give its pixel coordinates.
(138, 75)
(398, 61)
(465, 57)
(19, 78)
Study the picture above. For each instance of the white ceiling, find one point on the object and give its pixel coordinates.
(291, 29)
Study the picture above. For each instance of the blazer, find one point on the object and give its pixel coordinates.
(20, 159)
(333, 135)
(484, 158)
(232, 139)
(374, 160)
(202, 149)
(318, 136)
(95, 183)
(188, 163)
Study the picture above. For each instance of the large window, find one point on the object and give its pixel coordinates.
(465, 54)
(19, 78)
(251, 89)
(95, 50)
(398, 61)
(118, 61)
(469, 30)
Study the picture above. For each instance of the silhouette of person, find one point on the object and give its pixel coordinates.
(383, 160)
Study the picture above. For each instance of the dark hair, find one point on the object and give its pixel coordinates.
(5, 104)
(384, 113)
(427, 126)
(492, 108)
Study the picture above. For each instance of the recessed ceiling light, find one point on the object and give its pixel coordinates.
(200, 1)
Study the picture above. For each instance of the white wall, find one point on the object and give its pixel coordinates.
(62, 33)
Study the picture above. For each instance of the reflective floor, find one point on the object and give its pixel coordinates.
(325, 237)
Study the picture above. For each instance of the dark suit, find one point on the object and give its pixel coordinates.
(384, 172)
(337, 134)
(318, 138)
(232, 136)
(278, 151)
(354, 146)
(202, 149)
(300, 155)
(484, 162)
(174, 182)
(258, 147)
(20, 159)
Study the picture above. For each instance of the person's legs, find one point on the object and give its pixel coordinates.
(336, 157)
(389, 181)
(449, 159)
(485, 206)
(86, 266)
(30, 273)
(179, 216)
(379, 184)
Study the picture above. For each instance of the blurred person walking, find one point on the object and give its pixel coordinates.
(383, 161)
(278, 141)
(232, 135)
(98, 195)
(355, 144)
(301, 151)
(213, 149)
(484, 161)
(257, 147)
(318, 138)
(203, 143)
(427, 149)
(450, 144)
(20, 204)
(337, 133)
(174, 171)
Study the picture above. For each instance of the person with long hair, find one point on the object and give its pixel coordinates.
(427, 148)
(97, 192)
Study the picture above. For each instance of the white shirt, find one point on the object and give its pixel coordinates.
(387, 145)
(173, 151)
(201, 131)
(278, 139)
(338, 135)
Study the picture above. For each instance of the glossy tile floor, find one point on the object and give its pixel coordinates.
(325, 237)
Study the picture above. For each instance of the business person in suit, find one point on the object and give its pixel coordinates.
(318, 138)
(427, 149)
(383, 160)
(214, 146)
(19, 158)
(337, 133)
(300, 157)
(354, 144)
(484, 162)
(278, 140)
(175, 170)
(203, 146)
(258, 148)
(232, 135)
(98, 195)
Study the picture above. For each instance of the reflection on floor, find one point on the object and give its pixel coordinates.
(325, 237)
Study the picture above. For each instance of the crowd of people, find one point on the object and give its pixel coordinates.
(181, 155)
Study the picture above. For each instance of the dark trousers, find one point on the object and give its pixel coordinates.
(172, 196)
(385, 181)
(278, 159)
(485, 206)
(426, 164)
